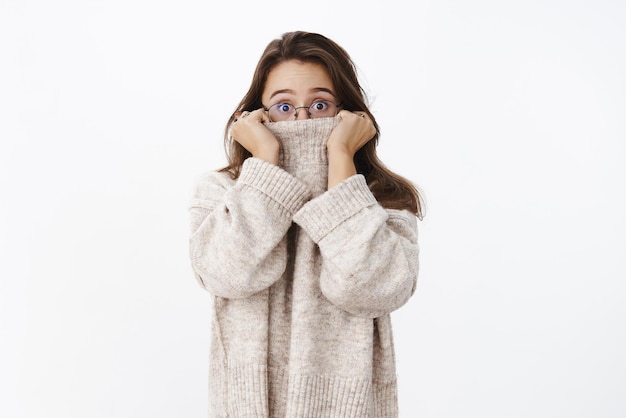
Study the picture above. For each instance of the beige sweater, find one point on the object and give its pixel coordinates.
(303, 282)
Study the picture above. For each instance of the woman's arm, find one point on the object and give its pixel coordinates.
(369, 254)
(237, 244)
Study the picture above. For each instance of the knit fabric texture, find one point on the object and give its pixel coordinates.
(303, 281)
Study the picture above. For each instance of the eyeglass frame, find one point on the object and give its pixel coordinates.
(295, 109)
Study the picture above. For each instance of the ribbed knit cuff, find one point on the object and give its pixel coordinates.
(321, 215)
(275, 182)
(385, 399)
(329, 396)
(241, 391)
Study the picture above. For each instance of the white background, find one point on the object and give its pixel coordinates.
(508, 114)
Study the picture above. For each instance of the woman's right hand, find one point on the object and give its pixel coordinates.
(249, 131)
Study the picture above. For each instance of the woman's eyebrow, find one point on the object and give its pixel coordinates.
(313, 90)
(324, 89)
(281, 91)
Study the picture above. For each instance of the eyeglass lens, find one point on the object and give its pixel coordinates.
(318, 109)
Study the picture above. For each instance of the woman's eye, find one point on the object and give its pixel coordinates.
(284, 107)
(319, 105)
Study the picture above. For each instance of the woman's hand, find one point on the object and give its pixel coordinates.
(249, 131)
(353, 131)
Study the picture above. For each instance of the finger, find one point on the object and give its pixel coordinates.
(263, 115)
(347, 113)
(343, 113)
(257, 115)
(241, 114)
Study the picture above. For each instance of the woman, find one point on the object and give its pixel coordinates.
(307, 243)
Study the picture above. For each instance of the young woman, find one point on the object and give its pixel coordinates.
(306, 242)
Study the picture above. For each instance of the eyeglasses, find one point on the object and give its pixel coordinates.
(280, 112)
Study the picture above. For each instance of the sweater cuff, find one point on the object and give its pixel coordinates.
(274, 182)
(324, 213)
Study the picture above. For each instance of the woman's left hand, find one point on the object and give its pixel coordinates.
(353, 131)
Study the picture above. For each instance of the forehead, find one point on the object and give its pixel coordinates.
(298, 76)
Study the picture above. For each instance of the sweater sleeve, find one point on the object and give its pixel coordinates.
(237, 245)
(369, 254)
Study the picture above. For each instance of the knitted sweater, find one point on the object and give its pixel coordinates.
(303, 281)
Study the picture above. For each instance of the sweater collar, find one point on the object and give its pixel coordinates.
(303, 142)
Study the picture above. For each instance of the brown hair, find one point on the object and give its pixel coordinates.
(391, 190)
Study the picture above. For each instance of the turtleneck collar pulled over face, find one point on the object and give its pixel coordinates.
(303, 149)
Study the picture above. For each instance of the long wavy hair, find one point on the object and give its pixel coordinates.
(390, 189)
